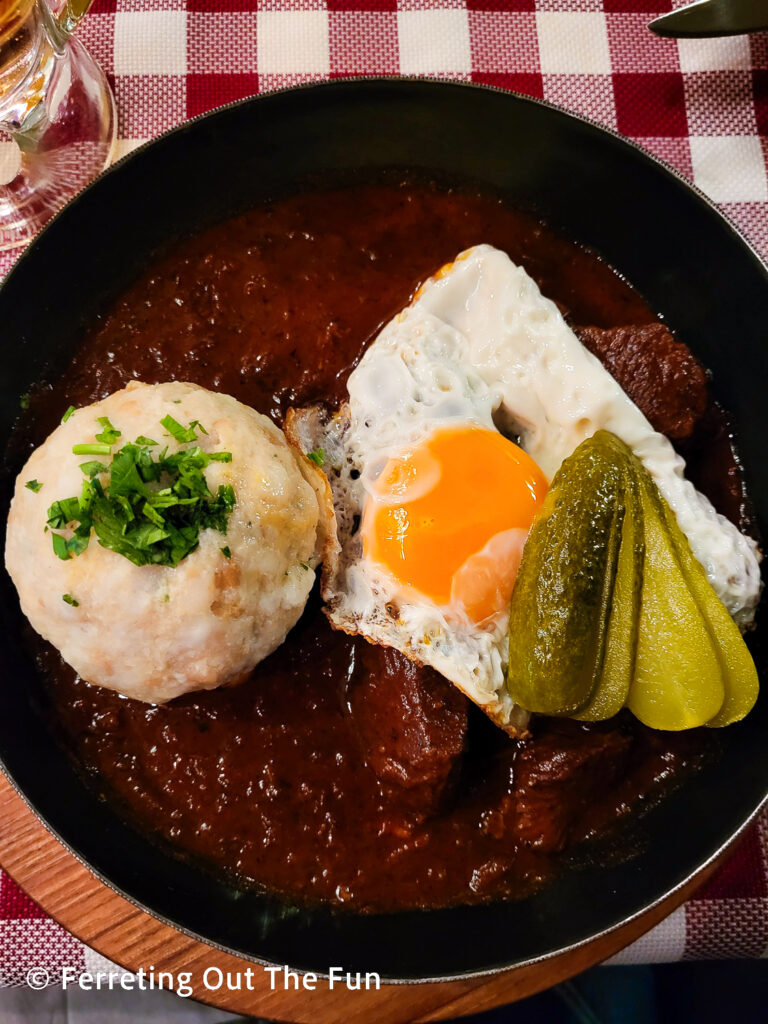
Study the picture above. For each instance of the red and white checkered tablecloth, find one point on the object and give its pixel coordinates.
(702, 105)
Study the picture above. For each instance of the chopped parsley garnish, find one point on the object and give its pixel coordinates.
(65, 549)
(92, 469)
(33, 485)
(68, 413)
(184, 435)
(68, 599)
(226, 552)
(101, 448)
(62, 512)
(60, 548)
(317, 456)
(109, 434)
(151, 510)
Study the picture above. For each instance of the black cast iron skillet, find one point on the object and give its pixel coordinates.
(671, 244)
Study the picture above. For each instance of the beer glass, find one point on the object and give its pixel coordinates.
(57, 114)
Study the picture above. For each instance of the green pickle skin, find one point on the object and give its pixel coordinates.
(677, 681)
(621, 642)
(738, 670)
(562, 594)
(611, 609)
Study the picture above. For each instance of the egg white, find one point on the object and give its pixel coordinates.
(413, 380)
(479, 345)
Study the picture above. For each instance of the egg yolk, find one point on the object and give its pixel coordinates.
(449, 517)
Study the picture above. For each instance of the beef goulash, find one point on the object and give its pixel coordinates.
(404, 729)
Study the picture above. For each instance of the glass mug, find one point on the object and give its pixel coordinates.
(57, 113)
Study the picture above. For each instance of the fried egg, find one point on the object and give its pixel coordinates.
(433, 505)
(459, 413)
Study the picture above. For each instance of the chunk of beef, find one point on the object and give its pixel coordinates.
(411, 724)
(560, 775)
(660, 374)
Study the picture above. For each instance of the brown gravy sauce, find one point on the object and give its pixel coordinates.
(281, 781)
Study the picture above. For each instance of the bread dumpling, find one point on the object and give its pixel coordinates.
(155, 631)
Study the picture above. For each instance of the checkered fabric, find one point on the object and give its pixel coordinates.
(701, 105)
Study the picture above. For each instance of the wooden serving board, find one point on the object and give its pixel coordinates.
(107, 922)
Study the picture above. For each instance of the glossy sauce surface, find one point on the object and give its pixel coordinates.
(339, 771)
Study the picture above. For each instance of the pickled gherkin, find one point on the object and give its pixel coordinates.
(738, 669)
(611, 609)
(562, 596)
(621, 641)
(677, 680)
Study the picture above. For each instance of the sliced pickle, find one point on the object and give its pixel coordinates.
(678, 682)
(612, 609)
(621, 641)
(738, 668)
(562, 596)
